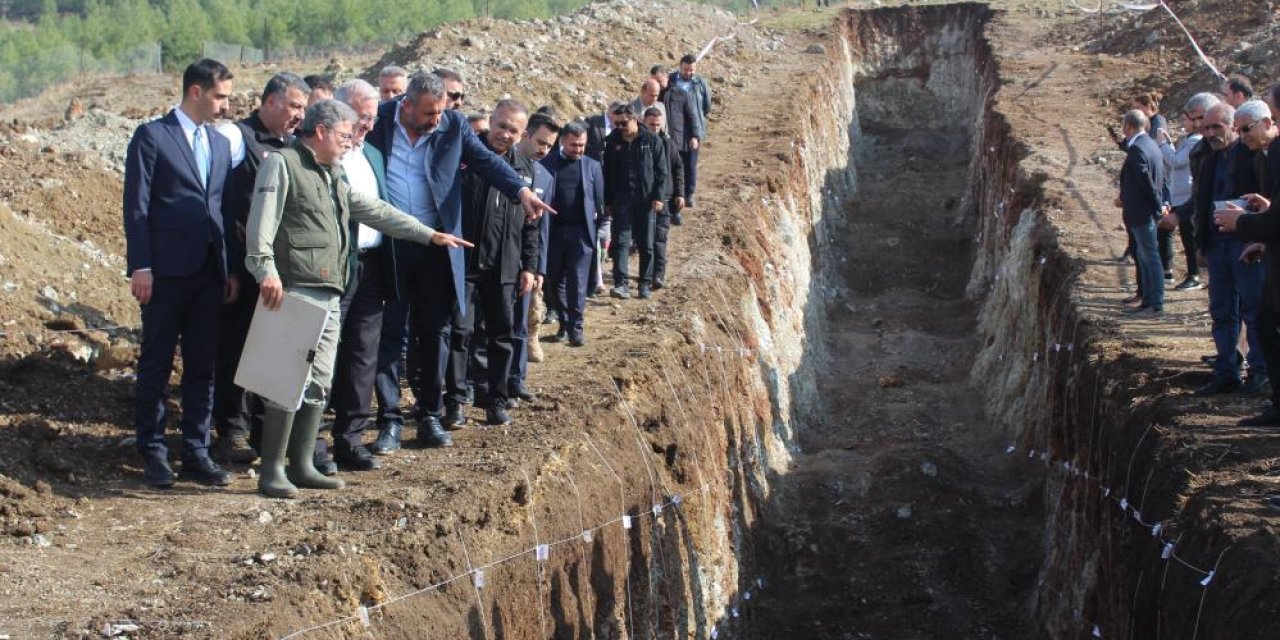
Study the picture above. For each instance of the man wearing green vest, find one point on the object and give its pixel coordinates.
(299, 243)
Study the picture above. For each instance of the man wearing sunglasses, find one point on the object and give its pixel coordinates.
(454, 88)
(637, 185)
(1258, 131)
(1235, 278)
(1182, 161)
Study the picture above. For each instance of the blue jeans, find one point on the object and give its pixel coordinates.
(1150, 270)
(1235, 293)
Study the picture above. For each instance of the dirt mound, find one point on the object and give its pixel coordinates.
(581, 62)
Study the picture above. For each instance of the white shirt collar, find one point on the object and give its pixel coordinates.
(1134, 137)
(188, 125)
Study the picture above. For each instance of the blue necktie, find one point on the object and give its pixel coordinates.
(202, 157)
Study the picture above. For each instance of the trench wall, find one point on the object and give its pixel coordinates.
(724, 421)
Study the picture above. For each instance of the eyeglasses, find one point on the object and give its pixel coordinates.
(456, 95)
(344, 136)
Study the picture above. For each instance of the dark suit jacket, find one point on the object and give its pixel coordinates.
(595, 137)
(386, 250)
(544, 186)
(592, 185)
(452, 144)
(1142, 181)
(1265, 226)
(683, 122)
(1242, 178)
(170, 218)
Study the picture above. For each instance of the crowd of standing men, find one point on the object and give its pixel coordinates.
(432, 238)
(1216, 187)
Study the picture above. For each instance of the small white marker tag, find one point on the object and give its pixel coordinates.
(1137, 515)
(746, 595)
(676, 500)
(1207, 579)
(1156, 529)
(715, 633)
(1106, 492)
(706, 488)
(657, 509)
(542, 552)
(479, 578)
(735, 612)
(1124, 504)
(760, 583)
(1031, 454)
(1009, 449)
(363, 614)
(586, 535)
(1166, 551)
(1097, 633)
(626, 522)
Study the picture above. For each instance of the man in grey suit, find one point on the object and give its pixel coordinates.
(1141, 182)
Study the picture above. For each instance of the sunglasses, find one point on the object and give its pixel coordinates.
(456, 95)
(1249, 127)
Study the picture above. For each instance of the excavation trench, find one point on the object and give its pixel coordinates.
(894, 520)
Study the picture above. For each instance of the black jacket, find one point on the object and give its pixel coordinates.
(683, 122)
(237, 195)
(496, 225)
(1265, 227)
(655, 168)
(595, 137)
(677, 170)
(1242, 179)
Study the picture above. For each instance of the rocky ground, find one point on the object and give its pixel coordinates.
(87, 552)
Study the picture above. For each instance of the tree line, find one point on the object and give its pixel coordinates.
(43, 42)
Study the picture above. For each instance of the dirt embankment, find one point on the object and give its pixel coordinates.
(703, 401)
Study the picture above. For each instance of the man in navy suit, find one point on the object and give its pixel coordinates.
(579, 197)
(1141, 184)
(424, 145)
(177, 260)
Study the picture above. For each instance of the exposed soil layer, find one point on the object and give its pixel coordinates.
(899, 269)
(896, 522)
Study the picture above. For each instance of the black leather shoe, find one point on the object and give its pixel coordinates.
(620, 292)
(496, 415)
(431, 434)
(325, 465)
(471, 395)
(577, 338)
(1218, 386)
(388, 440)
(1254, 385)
(518, 390)
(1269, 417)
(658, 283)
(234, 448)
(677, 219)
(156, 471)
(552, 317)
(559, 336)
(205, 471)
(454, 417)
(645, 292)
(355, 458)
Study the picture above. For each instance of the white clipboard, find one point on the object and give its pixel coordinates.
(276, 360)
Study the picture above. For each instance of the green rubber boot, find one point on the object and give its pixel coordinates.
(272, 480)
(302, 449)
